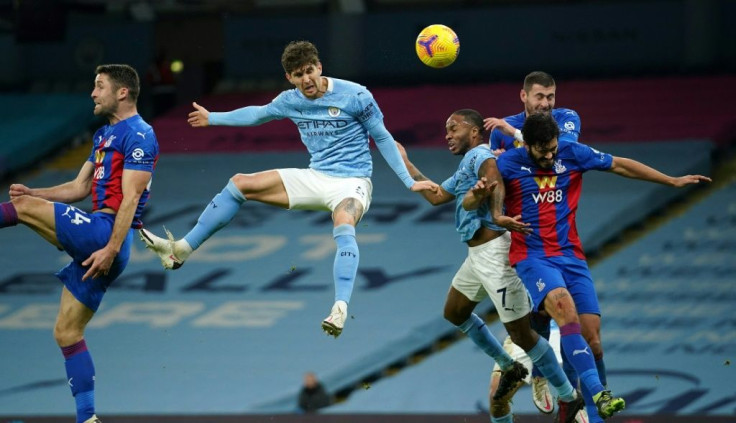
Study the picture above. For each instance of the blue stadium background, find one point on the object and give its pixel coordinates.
(231, 333)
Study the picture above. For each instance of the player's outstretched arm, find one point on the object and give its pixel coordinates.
(134, 182)
(637, 170)
(424, 185)
(68, 192)
(390, 152)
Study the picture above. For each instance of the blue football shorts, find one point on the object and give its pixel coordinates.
(81, 234)
(541, 275)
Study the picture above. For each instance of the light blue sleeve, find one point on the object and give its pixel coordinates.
(389, 151)
(449, 185)
(246, 116)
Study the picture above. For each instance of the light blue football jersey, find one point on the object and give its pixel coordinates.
(468, 222)
(335, 128)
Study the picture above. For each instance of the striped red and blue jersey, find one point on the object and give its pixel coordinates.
(567, 120)
(128, 144)
(547, 199)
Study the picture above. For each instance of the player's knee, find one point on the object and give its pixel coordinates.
(241, 181)
(455, 315)
(21, 203)
(66, 335)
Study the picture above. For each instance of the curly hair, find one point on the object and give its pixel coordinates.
(539, 129)
(297, 54)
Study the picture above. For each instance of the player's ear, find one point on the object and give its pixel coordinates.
(288, 77)
(122, 93)
(522, 95)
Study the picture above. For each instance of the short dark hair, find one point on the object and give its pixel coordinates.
(538, 77)
(297, 54)
(473, 117)
(122, 76)
(539, 129)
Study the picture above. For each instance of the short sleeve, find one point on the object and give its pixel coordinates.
(140, 151)
(589, 158)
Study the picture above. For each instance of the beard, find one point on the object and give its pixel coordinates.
(543, 163)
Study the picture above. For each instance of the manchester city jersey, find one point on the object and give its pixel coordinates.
(468, 222)
(567, 120)
(128, 144)
(547, 199)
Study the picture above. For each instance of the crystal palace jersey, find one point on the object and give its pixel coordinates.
(129, 144)
(547, 199)
(567, 120)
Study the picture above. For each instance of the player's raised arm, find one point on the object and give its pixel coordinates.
(637, 170)
(390, 152)
(245, 116)
(433, 197)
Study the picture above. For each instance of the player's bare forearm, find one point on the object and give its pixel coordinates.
(636, 170)
(477, 194)
(68, 192)
(133, 184)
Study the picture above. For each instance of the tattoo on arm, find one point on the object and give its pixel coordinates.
(419, 177)
(490, 171)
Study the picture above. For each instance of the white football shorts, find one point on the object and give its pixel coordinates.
(309, 189)
(486, 272)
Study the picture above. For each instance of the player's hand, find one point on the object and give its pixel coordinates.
(16, 190)
(497, 152)
(482, 188)
(689, 180)
(99, 263)
(425, 186)
(200, 117)
(495, 123)
(513, 224)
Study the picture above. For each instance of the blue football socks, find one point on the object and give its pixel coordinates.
(80, 372)
(347, 257)
(218, 213)
(543, 357)
(580, 356)
(477, 330)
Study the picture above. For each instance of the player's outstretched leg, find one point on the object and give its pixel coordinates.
(218, 213)
(164, 248)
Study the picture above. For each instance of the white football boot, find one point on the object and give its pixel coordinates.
(333, 324)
